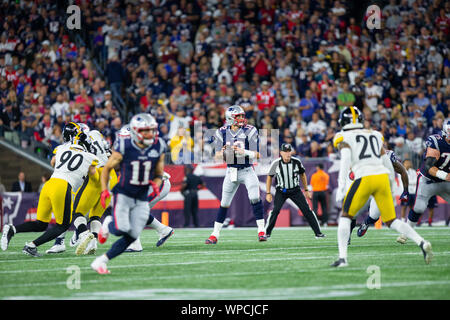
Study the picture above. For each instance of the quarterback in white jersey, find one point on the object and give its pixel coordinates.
(363, 153)
(73, 164)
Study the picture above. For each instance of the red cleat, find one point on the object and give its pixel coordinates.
(211, 240)
(262, 236)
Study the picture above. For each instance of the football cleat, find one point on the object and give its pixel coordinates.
(402, 239)
(136, 246)
(8, 233)
(75, 240)
(91, 248)
(262, 236)
(164, 236)
(341, 262)
(211, 240)
(31, 251)
(84, 239)
(57, 248)
(362, 229)
(100, 266)
(425, 246)
(320, 236)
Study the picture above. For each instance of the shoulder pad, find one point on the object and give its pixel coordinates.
(338, 138)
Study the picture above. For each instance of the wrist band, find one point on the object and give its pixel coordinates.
(441, 174)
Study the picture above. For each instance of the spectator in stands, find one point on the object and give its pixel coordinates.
(21, 184)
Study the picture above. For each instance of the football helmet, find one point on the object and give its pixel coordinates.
(351, 118)
(143, 121)
(82, 140)
(231, 114)
(70, 131)
(446, 129)
(84, 127)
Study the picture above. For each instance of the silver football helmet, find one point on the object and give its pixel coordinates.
(84, 127)
(143, 121)
(231, 114)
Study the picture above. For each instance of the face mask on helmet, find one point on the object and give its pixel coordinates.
(82, 140)
(144, 129)
(446, 129)
(235, 116)
(351, 118)
(71, 130)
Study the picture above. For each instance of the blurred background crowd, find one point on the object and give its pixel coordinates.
(293, 65)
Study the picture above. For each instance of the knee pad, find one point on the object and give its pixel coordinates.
(413, 216)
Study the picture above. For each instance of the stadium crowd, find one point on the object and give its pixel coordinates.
(291, 64)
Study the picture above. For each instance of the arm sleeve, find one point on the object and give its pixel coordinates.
(344, 170)
(273, 168)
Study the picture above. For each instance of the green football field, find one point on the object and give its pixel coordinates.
(290, 265)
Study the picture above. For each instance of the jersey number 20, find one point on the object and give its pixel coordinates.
(372, 141)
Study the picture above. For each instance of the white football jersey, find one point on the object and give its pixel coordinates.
(365, 146)
(98, 147)
(72, 164)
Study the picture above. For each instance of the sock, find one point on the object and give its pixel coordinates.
(31, 244)
(369, 221)
(222, 214)
(119, 246)
(343, 234)
(60, 239)
(260, 224)
(51, 234)
(407, 230)
(31, 226)
(410, 223)
(352, 225)
(104, 258)
(217, 228)
(258, 210)
(158, 226)
(150, 220)
(95, 226)
(80, 224)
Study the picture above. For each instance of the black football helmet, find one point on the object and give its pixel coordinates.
(71, 130)
(83, 140)
(351, 118)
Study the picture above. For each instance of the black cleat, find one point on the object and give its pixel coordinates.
(320, 236)
(362, 229)
(31, 251)
(341, 262)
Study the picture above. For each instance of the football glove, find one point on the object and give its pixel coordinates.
(155, 187)
(104, 195)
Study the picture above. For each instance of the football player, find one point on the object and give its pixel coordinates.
(141, 161)
(239, 145)
(87, 200)
(363, 153)
(73, 163)
(153, 198)
(433, 178)
(374, 212)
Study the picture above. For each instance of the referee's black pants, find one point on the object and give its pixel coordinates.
(296, 195)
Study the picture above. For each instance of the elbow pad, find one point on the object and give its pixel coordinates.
(429, 163)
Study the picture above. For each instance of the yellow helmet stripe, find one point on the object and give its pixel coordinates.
(353, 114)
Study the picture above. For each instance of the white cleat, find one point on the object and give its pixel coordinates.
(425, 246)
(402, 239)
(163, 236)
(84, 239)
(100, 266)
(341, 262)
(74, 241)
(136, 246)
(57, 248)
(91, 248)
(8, 232)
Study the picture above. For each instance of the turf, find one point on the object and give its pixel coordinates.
(292, 264)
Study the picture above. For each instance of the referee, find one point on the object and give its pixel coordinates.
(289, 170)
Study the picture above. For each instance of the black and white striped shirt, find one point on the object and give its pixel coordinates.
(288, 174)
